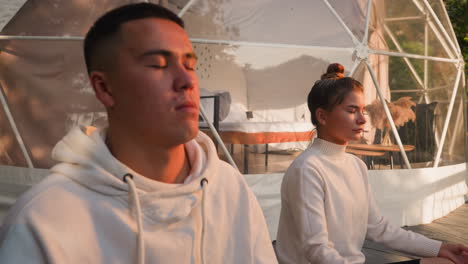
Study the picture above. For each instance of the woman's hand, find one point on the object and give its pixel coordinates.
(458, 254)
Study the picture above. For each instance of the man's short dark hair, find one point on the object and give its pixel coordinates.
(107, 26)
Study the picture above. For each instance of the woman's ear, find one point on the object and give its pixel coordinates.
(321, 116)
(102, 88)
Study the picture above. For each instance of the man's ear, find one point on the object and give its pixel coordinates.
(321, 115)
(102, 88)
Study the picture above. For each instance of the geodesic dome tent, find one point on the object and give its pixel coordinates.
(266, 55)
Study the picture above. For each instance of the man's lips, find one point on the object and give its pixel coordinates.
(187, 107)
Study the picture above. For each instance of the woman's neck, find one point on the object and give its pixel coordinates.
(330, 138)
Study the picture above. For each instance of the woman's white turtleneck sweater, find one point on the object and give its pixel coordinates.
(328, 211)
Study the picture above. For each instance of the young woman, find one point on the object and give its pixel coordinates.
(327, 205)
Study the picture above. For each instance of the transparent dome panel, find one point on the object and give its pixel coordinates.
(437, 46)
(47, 90)
(440, 10)
(419, 77)
(404, 37)
(398, 9)
(453, 151)
(353, 14)
(406, 76)
(441, 75)
(415, 118)
(417, 92)
(57, 17)
(414, 33)
(293, 22)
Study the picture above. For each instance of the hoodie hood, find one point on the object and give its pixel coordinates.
(85, 159)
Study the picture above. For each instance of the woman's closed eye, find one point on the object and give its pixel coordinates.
(356, 109)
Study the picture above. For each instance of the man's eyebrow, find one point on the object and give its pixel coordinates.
(149, 53)
(166, 53)
(352, 106)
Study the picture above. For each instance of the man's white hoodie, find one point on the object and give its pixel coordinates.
(84, 212)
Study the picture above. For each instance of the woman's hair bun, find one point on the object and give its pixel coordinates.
(334, 71)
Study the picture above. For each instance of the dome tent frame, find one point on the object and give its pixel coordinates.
(362, 52)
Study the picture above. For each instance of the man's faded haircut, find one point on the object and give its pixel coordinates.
(102, 34)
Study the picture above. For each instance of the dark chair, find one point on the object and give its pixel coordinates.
(419, 133)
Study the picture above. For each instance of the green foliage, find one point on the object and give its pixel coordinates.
(409, 35)
(458, 13)
(400, 76)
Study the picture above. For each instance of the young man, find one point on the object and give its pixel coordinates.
(149, 188)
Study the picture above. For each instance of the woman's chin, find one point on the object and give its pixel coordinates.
(355, 137)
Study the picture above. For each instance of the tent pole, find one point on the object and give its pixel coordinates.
(447, 118)
(12, 122)
(263, 44)
(11, 37)
(186, 7)
(389, 115)
(366, 32)
(217, 137)
(426, 53)
(457, 126)
(417, 90)
(397, 19)
(413, 56)
(355, 66)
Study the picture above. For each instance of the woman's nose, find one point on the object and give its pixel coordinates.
(361, 119)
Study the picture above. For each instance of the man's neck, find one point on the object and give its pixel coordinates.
(168, 165)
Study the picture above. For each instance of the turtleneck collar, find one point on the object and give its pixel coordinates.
(328, 148)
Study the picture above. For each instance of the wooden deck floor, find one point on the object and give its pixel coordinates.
(451, 228)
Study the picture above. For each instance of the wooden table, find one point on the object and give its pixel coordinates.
(379, 148)
(367, 153)
(246, 139)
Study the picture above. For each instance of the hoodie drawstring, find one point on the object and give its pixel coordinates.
(203, 184)
(128, 178)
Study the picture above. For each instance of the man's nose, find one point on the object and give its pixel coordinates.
(184, 79)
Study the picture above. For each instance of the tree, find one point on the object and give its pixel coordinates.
(458, 13)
